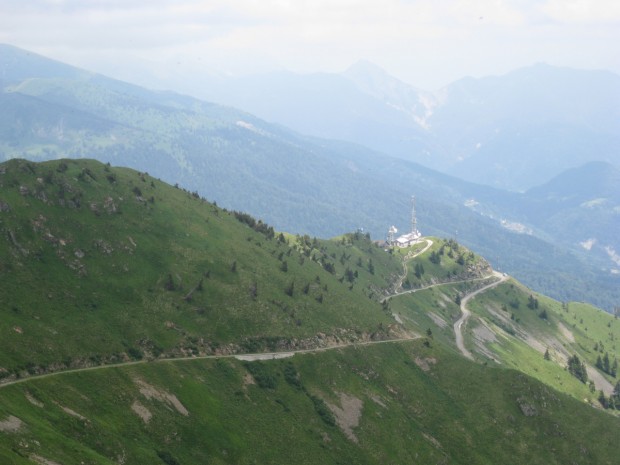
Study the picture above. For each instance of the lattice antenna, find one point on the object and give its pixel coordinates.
(414, 223)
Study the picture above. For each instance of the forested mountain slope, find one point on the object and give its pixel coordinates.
(298, 184)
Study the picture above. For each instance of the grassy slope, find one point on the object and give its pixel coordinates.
(435, 307)
(506, 330)
(438, 410)
(522, 335)
(101, 297)
(81, 282)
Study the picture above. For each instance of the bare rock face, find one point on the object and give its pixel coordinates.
(4, 207)
(11, 424)
(109, 205)
(527, 409)
(348, 414)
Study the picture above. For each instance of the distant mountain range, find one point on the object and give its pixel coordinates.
(513, 131)
(297, 183)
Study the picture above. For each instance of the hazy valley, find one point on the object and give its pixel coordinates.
(183, 282)
(306, 185)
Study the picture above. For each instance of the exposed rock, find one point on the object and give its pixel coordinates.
(42, 196)
(151, 392)
(438, 320)
(33, 401)
(73, 413)
(42, 460)
(377, 400)
(11, 424)
(432, 440)
(104, 246)
(13, 240)
(348, 415)
(526, 408)
(141, 411)
(425, 363)
(248, 379)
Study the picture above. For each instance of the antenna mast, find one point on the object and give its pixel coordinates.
(414, 225)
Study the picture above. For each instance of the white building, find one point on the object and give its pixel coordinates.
(408, 239)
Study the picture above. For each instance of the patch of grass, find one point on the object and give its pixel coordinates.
(448, 409)
(93, 272)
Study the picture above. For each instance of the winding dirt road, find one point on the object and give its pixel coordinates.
(243, 357)
(458, 326)
(429, 244)
(430, 286)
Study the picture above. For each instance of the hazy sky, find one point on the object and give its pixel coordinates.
(427, 43)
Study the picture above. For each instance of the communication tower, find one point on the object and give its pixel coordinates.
(414, 223)
(391, 232)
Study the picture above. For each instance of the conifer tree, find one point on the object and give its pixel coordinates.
(606, 367)
(577, 368)
(599, 362)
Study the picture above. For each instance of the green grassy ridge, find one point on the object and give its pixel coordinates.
(101, 297)
(418, 405)
(435, 309)
(589, 326)
(506, 307)
(111, 305)
(446, 260)
(437, 284)
(88, 250)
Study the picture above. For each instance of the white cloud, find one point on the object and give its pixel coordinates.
(583, 11)
(425, 42)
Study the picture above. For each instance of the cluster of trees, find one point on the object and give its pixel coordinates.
(454, 250)
(452, 245)
(289, 290)
(603, 363)
(435, 257)
(256, 225)
(312, 248)
(418, 270)
(267, 378)
(577, 368)
(329, 266)
(261, 373)
(350, 275)
(532, 304)
(613, 401)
